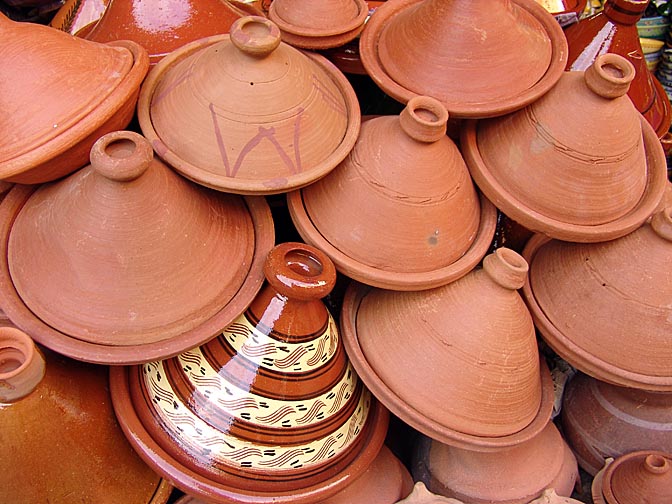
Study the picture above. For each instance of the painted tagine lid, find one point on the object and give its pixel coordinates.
(604, 307)
(609, 164)
(59, 94)
(319, 25)
(49, 405)
(269, 411)
(403, 169)
(128, 253)
(247, 113)
(480, 58)
(470, 344)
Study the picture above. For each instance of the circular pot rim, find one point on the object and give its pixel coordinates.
(309, 32)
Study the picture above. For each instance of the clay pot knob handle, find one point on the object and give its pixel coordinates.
(662, 223)
(507, 268)
(300, 271)
(610, 75)
(255, 35)
(656, 464)
(121, 156)
(424, 119)
(21, 365)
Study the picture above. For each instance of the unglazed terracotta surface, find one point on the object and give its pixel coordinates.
(479, 58)
(403, 169)
(247, 113)
(421, 495)
(121, 279)
(641, 476)
(59, 94)
(271, 408)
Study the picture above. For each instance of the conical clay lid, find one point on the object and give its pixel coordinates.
(247, 113)
(642, 476)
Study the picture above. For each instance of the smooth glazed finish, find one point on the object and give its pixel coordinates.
(59, 435)
(121, 279)
(609, 164)
(286, 119)
(641, 476)
(595, 304)
(403, 169)
(479, 58)
(269, 411)
(77, 15)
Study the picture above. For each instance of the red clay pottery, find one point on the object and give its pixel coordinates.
(162, 27)
(420, 495)
(59, 94)
(60, 440)
(403, 169)
(128, 254)
(480, 58)
(614, 30)
(319, 24)
(597, 180)
(600, 420)
(269, 411)
(635, 478)
(605, 307)
(549, 496)
(469, 344)
(77, 15)
(247, 113)
(515, 475)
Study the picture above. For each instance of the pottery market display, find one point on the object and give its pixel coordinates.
(597, 180)
(480, 58)
(402, 170)
(58, 95)
(60, 440)
(269, 411)
(129, 251)
(247, 113)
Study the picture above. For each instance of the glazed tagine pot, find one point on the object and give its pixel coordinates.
(247, 113)
(514, 475)
(403, 170)
(633, 478)
(609, 164)
(59, 434)
(604, 307)
(49, 124)
(601, 420)
(480, 58)
(76, 15)
(120, 279)
(271, 410)
(420, 350)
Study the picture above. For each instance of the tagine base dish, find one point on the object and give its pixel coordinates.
(323, 42)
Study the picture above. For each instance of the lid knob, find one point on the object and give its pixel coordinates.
(121, 156)
(255, 35)
(610, 75)
(21, 365)
(424, 119)
(507, 268)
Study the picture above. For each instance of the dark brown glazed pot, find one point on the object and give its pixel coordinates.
(128, 253)
(609, 164)
(614, 30)
(59, 94)
(60, 440)
(280, 121)
(604, 307)
(162, 27)
(269, 411)
(418, 351)
(479, 58)
(601, 420)
(403, 169)
(515, 475)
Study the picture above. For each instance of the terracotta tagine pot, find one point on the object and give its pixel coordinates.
(49, 124)
(59, 434)
(609, 164)
(322, 24)
(418, 351)
(163, 26)
(269, 411)
(604, 307)
(601, 420)
(280, 121)
(614, 30)
(514, 475)
(480, 58)
(403, 169)
(642, 476)
(128, 253)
